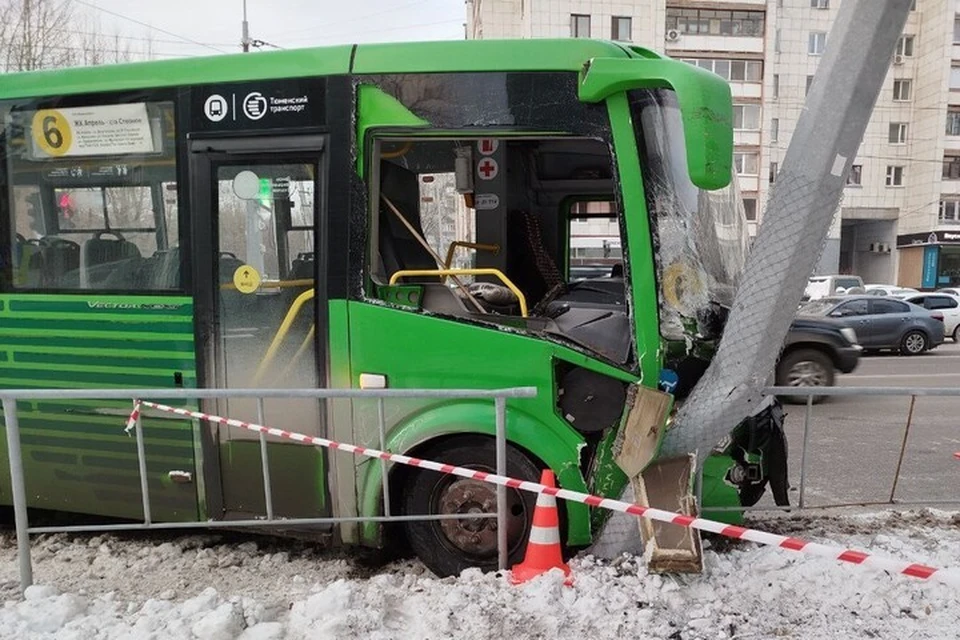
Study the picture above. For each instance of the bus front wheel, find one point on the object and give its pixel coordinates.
(451, 545)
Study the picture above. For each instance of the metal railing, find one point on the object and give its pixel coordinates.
(10, 397)
(846, 392)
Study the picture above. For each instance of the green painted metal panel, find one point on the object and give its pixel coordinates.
(463, 356)
(76, 454)
(176, 73)
(483, 55)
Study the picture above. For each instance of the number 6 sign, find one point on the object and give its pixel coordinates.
(51, 132)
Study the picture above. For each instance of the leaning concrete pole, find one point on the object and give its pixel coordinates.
(791, 237)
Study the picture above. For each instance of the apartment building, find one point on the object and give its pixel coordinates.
(899, 220)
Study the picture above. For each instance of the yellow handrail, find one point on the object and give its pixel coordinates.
(466, 272)
(303, 347)
(274, 284)
(493, 248)
(282, 333)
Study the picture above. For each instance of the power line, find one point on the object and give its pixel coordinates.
(112, 36)
(396, 28)
(147, 25)
(357, 18)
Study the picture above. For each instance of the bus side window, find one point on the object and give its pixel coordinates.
(104, 224)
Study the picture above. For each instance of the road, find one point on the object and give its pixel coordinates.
(855, 442)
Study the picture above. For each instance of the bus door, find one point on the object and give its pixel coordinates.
(258, 275)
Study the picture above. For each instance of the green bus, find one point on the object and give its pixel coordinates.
(395, 215)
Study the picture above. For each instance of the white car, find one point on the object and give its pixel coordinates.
(950, 291)
(948, 305)
(889, 290)
(822, 286)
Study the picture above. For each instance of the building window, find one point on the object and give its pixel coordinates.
(776, 85)
(579, 25)
(746, 116)
(898, 133)
(774, 129)
(774, 167)
(956, 30)
(622, 28)
(905, 46)
(817, 42)
(746, 163)
(750, 209)
(951, 167)
(746, 70)
(820, 4)
(949, 211)
(855, 175)
(894, 176)
(901, 90)
(953, 121)
(776, 40)
(806, 91)
(731, 70)
(955, 77)
(716, 22)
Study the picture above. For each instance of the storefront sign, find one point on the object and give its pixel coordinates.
(931, 255)
(930, 237)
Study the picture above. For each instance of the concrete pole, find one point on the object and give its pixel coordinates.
(794, 229)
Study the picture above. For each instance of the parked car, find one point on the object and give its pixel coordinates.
(889, 290)
(814, 350)
(822, 286)
(946, 304)
(950, 291)
(882, 322)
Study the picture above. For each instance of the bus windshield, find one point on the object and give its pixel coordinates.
(700, 237)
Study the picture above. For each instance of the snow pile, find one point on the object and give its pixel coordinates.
(138, 587)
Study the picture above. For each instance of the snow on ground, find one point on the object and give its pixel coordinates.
(210, 586)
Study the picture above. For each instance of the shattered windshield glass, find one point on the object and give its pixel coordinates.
(700, 237)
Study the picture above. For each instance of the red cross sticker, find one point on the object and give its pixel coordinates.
(488, 169)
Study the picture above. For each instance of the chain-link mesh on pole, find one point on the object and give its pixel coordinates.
(791, 237)
(802, 205)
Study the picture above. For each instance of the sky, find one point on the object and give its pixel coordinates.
(200, 27)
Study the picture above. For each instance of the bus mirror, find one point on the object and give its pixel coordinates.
(706, 107)
(246, 185)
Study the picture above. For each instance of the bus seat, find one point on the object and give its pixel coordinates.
(164, 270)
(303, 265)
(27, 263)
(399, 249)
(228, 265)
(101, 255)
(61, 262)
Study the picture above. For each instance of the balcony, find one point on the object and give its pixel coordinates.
(746, 89)
(698, 42)
(746, 137)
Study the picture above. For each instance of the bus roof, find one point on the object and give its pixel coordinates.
(415, 57)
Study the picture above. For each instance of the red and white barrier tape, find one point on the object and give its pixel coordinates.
(914, 570)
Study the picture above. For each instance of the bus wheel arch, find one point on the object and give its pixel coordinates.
(551, 446)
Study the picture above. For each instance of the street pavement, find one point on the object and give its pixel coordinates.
(854, 442)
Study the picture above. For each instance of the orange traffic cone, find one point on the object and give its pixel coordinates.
(543, 547)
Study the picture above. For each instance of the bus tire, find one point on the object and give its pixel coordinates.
(447, 547)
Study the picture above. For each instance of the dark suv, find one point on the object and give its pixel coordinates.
(814, 350)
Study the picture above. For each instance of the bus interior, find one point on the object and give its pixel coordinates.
(434, 216)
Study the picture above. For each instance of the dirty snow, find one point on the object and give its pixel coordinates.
(213, 586)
